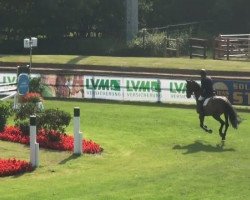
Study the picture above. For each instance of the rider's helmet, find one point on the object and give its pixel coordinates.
(203, 72)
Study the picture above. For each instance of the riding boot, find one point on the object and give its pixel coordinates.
(200, 109)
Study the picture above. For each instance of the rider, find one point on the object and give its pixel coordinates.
(206, 89)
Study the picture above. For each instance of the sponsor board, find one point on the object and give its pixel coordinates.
(238, 92)
(175, 91)
(102, 87)
(62, 86)
(128, 88)
(7, 78)
(135, 89)
(23, 84)
(10, 78)
(142, 89)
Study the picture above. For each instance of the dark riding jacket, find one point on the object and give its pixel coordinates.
(207, 87)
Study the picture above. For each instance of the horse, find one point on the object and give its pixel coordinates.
(215, 107)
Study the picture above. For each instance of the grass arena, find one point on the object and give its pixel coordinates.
(151, 151)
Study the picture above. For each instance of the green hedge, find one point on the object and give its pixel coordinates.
(67, 46)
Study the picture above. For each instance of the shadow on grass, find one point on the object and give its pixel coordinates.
(71, 157)
(103, 101)
(199, 146)
(18, 175)
(76, 59)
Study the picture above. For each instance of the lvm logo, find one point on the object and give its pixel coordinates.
(177, 87)
(103, 84)
(8, 79)
(143, 86)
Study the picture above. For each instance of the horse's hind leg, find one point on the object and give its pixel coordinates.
(226, 125)
(222, 123)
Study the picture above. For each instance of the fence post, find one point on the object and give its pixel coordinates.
(143, 37)
(165, 46)
(77, 134)
(214, 47)
(248, 47)
(228, 52)
(177, 47)
(34, 146)
(190, 49)
(205, 50)
(15, 101)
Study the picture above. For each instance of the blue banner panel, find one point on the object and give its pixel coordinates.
(23, 84)
(238, 92)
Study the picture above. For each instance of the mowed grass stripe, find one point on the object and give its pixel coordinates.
(150, 62)
(150, 152)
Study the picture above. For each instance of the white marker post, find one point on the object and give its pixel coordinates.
(29, 43)
(34, 146)
(77, 134)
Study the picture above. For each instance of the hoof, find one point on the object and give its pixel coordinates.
(210, 131)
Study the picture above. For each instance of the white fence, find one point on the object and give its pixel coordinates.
(232, 46)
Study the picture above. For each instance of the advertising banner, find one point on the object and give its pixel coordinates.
(128, 88)
(238, 92)
(8, 78)
(5, 79)
(11, 78)
(103, 87)
(174, 91)
(62, 86)
(23, 84)
(142, 89)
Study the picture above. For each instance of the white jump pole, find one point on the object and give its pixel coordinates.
(10, 96)
(34, 146)
(77, 134)
(15, 101)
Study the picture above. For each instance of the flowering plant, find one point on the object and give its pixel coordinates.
(64, 143)
(32, 97)
(9, 167)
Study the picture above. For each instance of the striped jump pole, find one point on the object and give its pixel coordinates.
(34, 146)
(77, 133)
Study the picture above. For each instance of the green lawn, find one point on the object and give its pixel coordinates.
(150, 152)
(182, 63)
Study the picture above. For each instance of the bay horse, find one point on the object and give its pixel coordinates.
(215, 107)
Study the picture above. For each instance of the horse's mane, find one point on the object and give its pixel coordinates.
(196, 85)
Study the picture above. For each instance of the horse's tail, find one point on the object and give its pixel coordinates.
(233, 117)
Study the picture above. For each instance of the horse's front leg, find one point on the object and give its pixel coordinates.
(204, 127)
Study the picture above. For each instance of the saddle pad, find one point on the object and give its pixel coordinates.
(206, 101)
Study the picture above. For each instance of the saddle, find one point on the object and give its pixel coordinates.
(205, 102)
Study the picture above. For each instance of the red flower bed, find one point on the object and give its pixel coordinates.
(11, 167)
(61, 142)
(32, 97)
